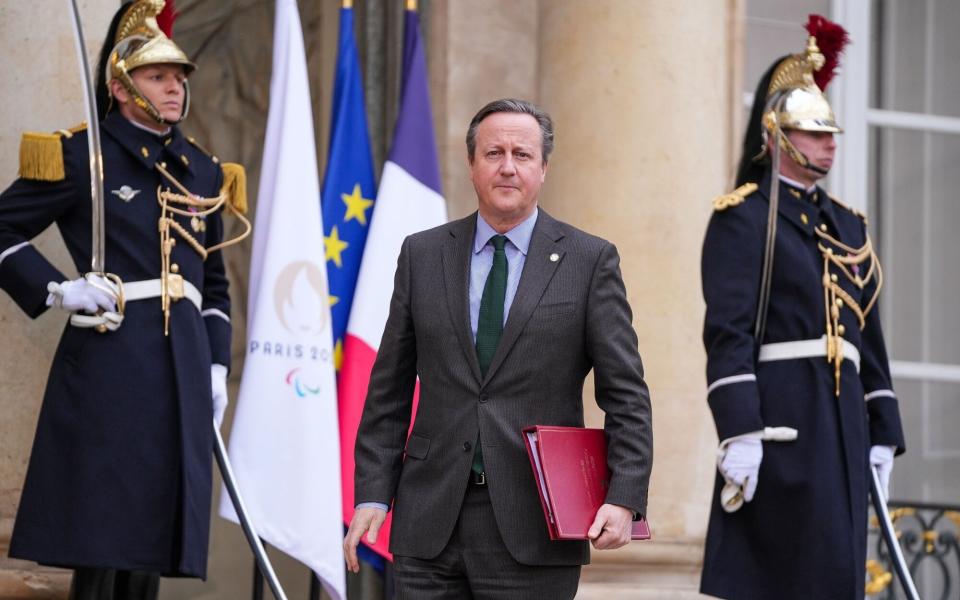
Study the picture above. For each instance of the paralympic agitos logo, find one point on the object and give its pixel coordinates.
(300, 303)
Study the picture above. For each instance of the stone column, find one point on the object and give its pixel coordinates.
(643, 96)
(41, 93)
(477, 52)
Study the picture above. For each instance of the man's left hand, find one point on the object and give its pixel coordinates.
(611, 527)
(218, 385)
(881, 457)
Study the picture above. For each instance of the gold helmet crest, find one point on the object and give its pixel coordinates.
(793, 91)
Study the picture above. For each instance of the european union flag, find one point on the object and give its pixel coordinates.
(348, 186)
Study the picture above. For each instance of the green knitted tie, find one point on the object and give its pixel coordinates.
(490, 323)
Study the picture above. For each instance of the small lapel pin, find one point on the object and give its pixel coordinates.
(125, 193)
(554, 257)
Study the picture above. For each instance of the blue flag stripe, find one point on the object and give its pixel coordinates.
(414, 146)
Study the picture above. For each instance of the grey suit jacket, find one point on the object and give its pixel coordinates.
(570, 315)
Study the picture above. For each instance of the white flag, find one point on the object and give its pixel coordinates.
(284, 444)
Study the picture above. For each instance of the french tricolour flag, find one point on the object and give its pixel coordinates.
(408, 201)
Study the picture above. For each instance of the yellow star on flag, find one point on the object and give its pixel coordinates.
(338, 355)
(356, 206)
(333, 299)
(333, 246)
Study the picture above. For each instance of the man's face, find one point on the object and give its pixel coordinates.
(818, 146)
(163, 86)
(507, 168)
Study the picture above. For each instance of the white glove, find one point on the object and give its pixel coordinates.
(740, 464)
(218, 383)
(88, 294)
(881, 457)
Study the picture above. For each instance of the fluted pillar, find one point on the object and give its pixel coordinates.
(643, 96)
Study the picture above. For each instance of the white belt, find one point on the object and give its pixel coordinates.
(806, 349)
(150, 288)
(134, 290)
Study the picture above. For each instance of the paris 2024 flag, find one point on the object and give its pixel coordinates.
(408, 201)
(284, 444)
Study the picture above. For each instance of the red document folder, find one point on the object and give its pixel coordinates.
(570, 466)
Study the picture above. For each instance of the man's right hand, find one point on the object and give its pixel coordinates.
(86, 294)
(741, 465)
(365, 520)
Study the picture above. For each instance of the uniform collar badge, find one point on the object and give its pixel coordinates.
(125, 193)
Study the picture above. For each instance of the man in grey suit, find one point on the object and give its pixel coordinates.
(501, 315)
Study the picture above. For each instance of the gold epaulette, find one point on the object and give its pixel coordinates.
(41, 154)
(850, 208)
(212, 156)
(735, 197)
(235, 186)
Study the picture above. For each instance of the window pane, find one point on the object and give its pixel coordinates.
(775, 28)
(930, 469)
(916, 216)
(915, 53)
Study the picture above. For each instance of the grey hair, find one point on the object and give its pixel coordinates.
(512, 105)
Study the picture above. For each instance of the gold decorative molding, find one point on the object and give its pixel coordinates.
(878, 578)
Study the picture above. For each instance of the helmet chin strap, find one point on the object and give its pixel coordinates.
(140, 100)
(799, 157)
(773, 127)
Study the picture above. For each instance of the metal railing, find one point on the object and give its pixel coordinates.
(929, 535)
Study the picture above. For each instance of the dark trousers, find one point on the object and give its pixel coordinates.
(113, 584)
(476, 565)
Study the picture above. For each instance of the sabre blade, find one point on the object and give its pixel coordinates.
(890, 536)
(97, 251)
(226, 473)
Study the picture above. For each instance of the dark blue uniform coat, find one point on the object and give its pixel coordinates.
(804, 533)
(120, 473)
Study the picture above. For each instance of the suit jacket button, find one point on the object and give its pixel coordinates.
(467, 446)
(484, 397)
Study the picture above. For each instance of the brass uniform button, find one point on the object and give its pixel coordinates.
(841, 329)
(803, 217)
(184, 159)
(833, 277)
(163, 164)
(174, 268)
(144, 151)
(823, 226)
(840, 302)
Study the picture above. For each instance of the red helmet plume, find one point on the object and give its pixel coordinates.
(831, 39)
(166, 17)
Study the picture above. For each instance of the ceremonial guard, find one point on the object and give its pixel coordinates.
(798, 377)
(119, 480)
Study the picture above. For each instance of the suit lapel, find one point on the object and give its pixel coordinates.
(456, 274)
(538, 270)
